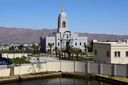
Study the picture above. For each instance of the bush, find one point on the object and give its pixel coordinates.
(18, 61)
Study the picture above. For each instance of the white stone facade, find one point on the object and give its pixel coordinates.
(62, 36)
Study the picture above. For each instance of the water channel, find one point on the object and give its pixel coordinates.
(59, 81)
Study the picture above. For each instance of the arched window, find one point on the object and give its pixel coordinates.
(63, 24)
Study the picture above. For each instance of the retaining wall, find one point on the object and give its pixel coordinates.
(67, 66)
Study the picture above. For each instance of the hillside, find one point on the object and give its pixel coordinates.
(23, 35)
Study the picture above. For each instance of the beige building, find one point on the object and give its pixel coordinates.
(111, 52)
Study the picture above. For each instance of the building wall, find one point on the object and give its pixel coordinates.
(50, 40)
(81, 41)
(123, 59)
(57, 40)
(43, 44)
(100, 52)
(74, 38)
(14, 55)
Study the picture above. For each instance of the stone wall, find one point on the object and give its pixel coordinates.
(67, 66)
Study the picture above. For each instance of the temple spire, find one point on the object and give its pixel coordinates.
(62, 7)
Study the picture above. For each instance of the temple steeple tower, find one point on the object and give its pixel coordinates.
(62, 21)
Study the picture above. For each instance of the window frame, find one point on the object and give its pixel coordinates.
(117, 54)
(126, 53)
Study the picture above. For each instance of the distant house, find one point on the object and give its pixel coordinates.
(63, 36)
(111, 52)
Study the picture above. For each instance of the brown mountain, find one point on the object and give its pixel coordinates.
(23, 35)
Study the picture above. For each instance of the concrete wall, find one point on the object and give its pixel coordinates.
(53, 66)
(80, 67)
(93, 68)
(121, 70)
(100, 52)
(30, 68)
(67, 66)
(106, 69)
(5, 72)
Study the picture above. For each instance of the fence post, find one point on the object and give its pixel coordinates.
(11, 70)
(127, 70)
(74, 66)
(114, 70)
(60, 66)
(87, 67)
(100, 68)
(46, 67)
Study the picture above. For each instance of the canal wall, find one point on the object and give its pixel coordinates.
(66, 66)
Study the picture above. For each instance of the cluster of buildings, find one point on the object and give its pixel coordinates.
(111, 52)
(5, 46)
(104, 52)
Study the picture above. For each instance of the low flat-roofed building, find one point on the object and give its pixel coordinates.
(111, 52)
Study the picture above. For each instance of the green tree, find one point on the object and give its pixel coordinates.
(62, 52)
(86, 48)
(12, 50)
(21, 48)
(56, 51)
(36, 48)
(19, 61)
(50, 45)
(68, 49)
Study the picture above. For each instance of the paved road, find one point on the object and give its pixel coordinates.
(43, 59)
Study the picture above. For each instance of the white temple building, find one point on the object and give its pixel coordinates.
(62, 36)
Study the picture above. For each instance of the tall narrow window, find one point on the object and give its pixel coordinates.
(63, 24)
(117, 53)
(108, 54)
(126, 53)
(80, 43)
(75, 44)
(67, 37)
(84, 43)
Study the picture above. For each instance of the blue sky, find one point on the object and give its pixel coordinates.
(93, 16)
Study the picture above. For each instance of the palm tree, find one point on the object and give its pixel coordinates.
(56, 50)
(67, 49)
(86, 48)
(62, 52)
(50, 45)
(77, 51)
(21, 48)
(36, 48)
(12, 49)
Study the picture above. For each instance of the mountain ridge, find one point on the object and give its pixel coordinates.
(27, 35)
